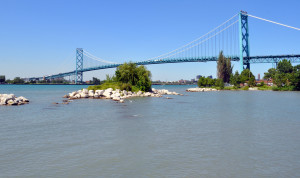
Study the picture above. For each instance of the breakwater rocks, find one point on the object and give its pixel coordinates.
(11, 99)
(116, 95)
(201, 89)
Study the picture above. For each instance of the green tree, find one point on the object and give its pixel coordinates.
(224, 68)
(18, 80)
(127, 73)
(210, 82)
(95, 81)
(285, 66)
(202, 82)
(2, 78)
(296, 78)
(285, 74)
(133, 75)
(235, 79)
(262, 84)
(9, 81)
(144, 79)
(270, 74)
(219, 83)
(247, 75)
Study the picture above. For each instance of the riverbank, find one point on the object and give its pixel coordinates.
(232, 88)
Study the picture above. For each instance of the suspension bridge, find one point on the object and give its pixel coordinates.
(232, 37)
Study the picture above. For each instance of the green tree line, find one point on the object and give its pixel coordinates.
(285, 76)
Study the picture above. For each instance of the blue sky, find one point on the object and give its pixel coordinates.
(40, 37)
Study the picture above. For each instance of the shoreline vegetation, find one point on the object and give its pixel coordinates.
(284, 77)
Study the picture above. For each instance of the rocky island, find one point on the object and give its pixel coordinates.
(11, 99)
(116, 95)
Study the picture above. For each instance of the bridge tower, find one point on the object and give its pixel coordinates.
(79, 66)
(244, 41)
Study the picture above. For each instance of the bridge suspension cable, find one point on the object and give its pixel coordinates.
(89, 55)
(208, 37)
(272, 22)
(203, 40)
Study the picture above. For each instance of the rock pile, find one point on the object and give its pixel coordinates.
(201, 89)
(11, 99)
(116, 95)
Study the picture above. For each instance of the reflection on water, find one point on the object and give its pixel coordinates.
(207, 134)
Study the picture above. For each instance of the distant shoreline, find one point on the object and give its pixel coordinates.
(86, 84)
(46, 84)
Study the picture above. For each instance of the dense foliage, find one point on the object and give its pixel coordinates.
(129, 77)
(129, 73)
(209, 82)
(95, 81)
(16, 80)
(235, 79)
(285, 76)
(247, 76)
(224, 68)
(2, 78)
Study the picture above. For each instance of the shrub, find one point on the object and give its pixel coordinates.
(126, 86)
(245, 88)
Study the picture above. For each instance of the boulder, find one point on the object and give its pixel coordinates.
(24, 99)
(11, 102)
(109, 90)
(85, 91)
(84, 95)
(72, 94)
(91, 91)
(147, 94)
(100, 92)
(77, 96)
(107, 93)
(116, 98)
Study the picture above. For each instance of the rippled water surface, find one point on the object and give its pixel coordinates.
(206, 134)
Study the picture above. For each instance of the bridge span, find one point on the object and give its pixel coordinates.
(232, 37)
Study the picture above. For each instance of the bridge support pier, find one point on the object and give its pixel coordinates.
(79, 66)
(244, 41)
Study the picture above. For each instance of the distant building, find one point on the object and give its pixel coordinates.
(210, 76)
(258, 77)
(268, 82)
(198, 76)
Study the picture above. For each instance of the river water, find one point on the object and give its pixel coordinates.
(206, 134)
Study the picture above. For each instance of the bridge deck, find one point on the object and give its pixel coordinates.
(252, 60)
